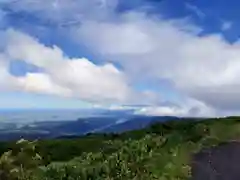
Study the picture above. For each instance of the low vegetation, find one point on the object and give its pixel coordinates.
(161, 151)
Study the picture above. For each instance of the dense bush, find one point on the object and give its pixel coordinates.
(161, 151)
(20, 162)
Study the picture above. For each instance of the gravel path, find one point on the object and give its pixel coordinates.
(218, 163)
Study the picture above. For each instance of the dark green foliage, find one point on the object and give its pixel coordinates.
(19, 162)
(161, 151)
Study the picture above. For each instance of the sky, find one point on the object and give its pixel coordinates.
(159, 57)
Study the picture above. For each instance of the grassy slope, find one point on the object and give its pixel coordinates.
(165, 153)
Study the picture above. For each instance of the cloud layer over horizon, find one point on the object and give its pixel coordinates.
(131, 47)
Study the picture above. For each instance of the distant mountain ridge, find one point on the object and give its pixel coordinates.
(136, 122)
(109, 124)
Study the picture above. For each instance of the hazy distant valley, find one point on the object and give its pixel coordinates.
(52, 124)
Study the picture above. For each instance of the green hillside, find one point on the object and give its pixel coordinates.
(162, 151)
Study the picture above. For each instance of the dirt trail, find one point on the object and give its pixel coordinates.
(217, 163)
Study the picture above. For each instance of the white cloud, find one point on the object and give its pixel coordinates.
(5, 77)
(41, 83)
(108, 32)
(206, 68)
(226, 25)
(64, 76)
(134, 34)
(190, 108)
(71, 77)
(161, 111)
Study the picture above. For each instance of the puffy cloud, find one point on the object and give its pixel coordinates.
(161, 111)
(40, 83)
(122, 32)
(71, 77)
(190, 108)
(21, 46)
(202, 67)
(205, 68)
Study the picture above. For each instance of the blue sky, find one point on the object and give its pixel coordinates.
(169, 56)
